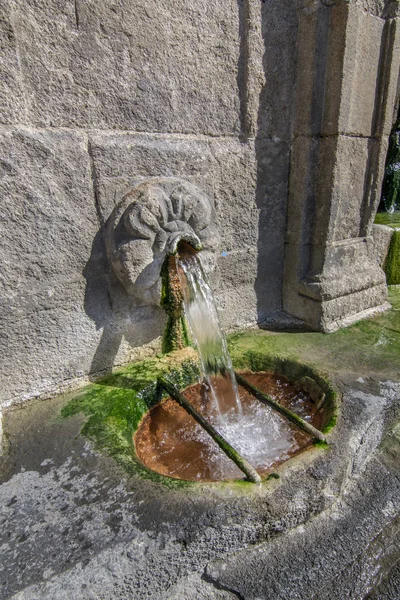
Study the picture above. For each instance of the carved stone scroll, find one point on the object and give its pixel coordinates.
(148, 224)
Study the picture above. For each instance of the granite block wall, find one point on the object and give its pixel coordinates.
(97, 96)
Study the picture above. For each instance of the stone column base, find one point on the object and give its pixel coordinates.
(351, 286)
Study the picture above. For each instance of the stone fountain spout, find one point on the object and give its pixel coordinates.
(142, 237)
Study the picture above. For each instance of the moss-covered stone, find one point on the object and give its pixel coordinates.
(294, 371)
(309, 385)
(370, 346)
(392, 263)
(116, 404)
(321, 444)
(176, 335)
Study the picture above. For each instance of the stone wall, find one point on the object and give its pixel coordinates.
(95, 96)
(345, 95)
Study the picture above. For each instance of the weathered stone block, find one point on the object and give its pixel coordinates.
(391, 54)
(277, 55)
(236, 266)
(329, 254)
(362, 68)
(381, 235)
(379, 8)
(154, 67)
(335, 187)
(64, 314)
(313, 54)
(345, 54)
(330, 315)
(355, 186)
(48, 225)
(12, 101)
(49, 218)
(345, 310)
(225, 169)
(349, 267)
(242, 302)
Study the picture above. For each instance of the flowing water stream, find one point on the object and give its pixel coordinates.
(172, 443)
(202, 317)
(259, 434)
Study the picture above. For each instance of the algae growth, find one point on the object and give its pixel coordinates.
(392, 263)
(176, 334)
(367, 347)
(116, 404)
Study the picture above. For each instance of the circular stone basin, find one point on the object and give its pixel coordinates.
(170, 442)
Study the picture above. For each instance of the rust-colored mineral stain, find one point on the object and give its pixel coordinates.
(172, 443)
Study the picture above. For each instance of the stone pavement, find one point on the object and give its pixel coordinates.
(73, 526)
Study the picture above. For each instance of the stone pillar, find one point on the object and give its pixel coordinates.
(348, 58)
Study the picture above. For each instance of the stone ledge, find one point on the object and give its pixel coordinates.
(364, 314)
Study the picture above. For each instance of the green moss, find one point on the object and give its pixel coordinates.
(331, 423)
(321, 444)
(367, 346)
(394, 299)
(176, 335)
(392, 264)
(293, 370)
(116, 404)
(389, 219)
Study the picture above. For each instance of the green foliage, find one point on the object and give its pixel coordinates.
(390, 199)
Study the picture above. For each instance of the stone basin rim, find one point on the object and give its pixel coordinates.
(329, 404)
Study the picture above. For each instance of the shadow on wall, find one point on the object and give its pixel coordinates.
(125, 326)
(267, 33)
(272, 147)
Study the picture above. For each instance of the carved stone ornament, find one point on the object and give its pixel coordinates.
(146, 227)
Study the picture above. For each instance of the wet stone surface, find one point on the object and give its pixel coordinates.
(74, 526)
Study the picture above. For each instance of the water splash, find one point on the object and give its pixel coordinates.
(258, 434)
(202, 317)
